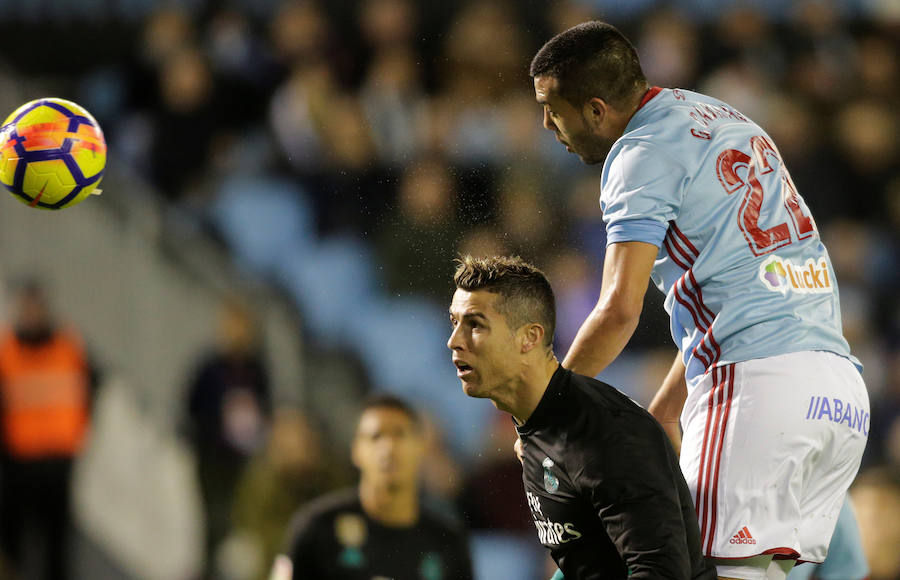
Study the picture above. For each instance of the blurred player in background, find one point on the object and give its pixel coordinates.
(46, 383)
(379, 529)
(602, 481)
(695, 195)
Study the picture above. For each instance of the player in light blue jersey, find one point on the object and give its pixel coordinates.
(696, 197)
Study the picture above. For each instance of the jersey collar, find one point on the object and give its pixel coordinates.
(544, 412)
(651, 92)
(648, 96)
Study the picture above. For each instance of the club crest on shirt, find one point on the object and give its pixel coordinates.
(551, 482)
(350, 530)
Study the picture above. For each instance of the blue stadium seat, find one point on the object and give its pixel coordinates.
(262, 219)
(330, 282)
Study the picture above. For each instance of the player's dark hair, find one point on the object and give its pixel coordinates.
(592, 59)
(525, 291)
(386, 401)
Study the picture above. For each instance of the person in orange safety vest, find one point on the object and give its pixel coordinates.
(46, 382)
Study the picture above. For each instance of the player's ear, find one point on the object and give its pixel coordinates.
(532, 336)
(596, 110)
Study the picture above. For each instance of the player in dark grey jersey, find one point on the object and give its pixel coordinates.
(379, 529)
(603, 483)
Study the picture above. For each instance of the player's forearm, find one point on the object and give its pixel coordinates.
(669, 399)
(626, 270)
(668, 402)
(601, 338)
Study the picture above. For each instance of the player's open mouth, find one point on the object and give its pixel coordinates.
(462, 368)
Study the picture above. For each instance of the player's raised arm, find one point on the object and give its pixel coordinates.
(603, 335)
(669, 400)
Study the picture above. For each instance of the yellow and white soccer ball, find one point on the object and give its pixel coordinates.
(52, 154)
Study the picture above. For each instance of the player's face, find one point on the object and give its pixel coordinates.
(388, 447)
(579, 129)
(483, 344)
(33, 313)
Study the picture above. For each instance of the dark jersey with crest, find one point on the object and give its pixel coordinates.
(333, 538)
(605, 490)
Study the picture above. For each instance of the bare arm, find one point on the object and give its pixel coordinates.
(611, 323)
(669, 400)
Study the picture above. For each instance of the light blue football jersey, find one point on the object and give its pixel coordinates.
(740, 260)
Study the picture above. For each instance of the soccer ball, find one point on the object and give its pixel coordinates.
(52, 154)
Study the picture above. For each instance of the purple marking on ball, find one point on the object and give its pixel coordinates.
(28, 110)
(74, 169)
(77, 120)
(43, 155)
(59, 108)
(68, 197)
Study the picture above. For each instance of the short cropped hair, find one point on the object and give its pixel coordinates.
(526, 295)
(387, 401)
(592, 59)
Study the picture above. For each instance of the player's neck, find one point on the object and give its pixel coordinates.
(637, 101)
(534, 382)
(391, 505)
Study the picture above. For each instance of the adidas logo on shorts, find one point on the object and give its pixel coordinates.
(743, 537)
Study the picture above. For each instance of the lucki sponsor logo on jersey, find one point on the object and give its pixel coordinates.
(811, 277)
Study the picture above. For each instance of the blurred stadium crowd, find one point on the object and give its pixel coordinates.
(346, 151)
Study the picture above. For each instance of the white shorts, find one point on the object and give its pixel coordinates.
(770, 447)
